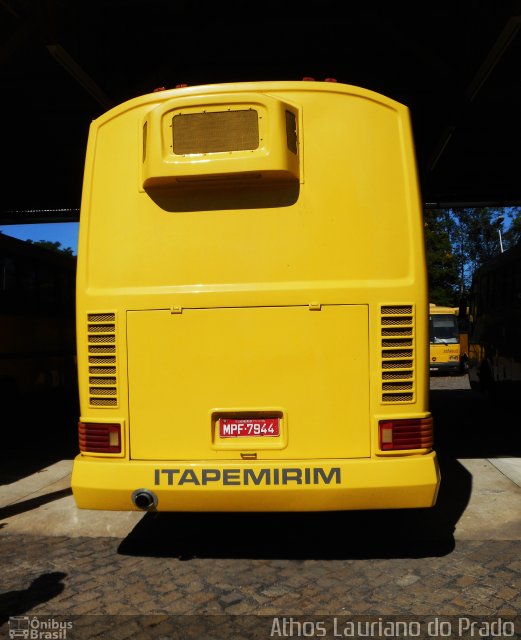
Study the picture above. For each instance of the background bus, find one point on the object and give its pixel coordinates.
(495, 325)
(447, 354)
(251, 304)
(37, 328)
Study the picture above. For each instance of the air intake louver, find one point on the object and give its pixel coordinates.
(215, 131)
(101, 334)
(397, 332)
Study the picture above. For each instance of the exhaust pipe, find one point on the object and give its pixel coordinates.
(144, 500)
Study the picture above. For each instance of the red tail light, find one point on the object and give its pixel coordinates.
(95, 437)
(398, 435)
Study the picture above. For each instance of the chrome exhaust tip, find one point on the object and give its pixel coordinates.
(144, 500)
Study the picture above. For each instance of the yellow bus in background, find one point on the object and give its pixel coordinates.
(446, 344)
(252, 304)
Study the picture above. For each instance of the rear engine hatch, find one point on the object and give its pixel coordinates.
(304, 369)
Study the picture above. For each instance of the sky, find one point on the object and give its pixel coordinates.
(65, 233)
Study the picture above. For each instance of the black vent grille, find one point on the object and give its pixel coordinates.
(397, 331)
(102, 359)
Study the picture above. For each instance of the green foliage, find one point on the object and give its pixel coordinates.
(477, 232)
(512, 235)
(441, 262)
(53, 246)
(458, 241)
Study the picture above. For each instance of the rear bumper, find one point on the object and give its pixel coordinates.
(448, 367)
(317, 485)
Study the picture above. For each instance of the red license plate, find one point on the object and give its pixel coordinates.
(249, 427)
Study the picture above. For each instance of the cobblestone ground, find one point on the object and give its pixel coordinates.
(93, 576)
(237, 575)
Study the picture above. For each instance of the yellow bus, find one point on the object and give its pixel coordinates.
(251, 304)
(447, 341)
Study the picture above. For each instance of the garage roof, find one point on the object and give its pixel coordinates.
(456, 64)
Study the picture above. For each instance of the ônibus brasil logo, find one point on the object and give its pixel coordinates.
(35, 628)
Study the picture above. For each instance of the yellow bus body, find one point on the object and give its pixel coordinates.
(253, 253)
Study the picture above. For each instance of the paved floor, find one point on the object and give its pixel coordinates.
(119, 575)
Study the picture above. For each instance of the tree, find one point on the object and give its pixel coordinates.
(458, 241)
(53, 246)
(513, 234)
(476, 233)
(441, 262)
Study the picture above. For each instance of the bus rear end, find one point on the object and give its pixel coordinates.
(251, 306)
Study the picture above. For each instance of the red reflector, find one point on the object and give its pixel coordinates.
(95, 437)
(399, 435)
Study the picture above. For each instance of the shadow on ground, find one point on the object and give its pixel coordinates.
(407, 533)
(42, 589)
(32, 503)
